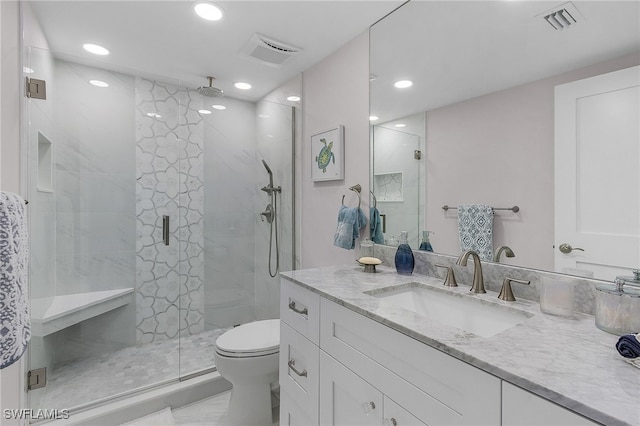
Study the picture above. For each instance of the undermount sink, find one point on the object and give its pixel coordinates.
(462, 311)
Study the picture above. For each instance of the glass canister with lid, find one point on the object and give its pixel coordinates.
(617, 307)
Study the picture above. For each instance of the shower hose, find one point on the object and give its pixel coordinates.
(273, 224)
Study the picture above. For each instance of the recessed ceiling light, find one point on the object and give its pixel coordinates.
(294, 98)
(401, 125)
(373, 118)
(99, 83)
(218, 107)
(204, 111)
(154, 115)
(403, 84)
(95, 49)
(208, 11)
(28, 70)
(263, 115)
(242, 85)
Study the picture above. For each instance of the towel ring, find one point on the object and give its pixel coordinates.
(357, 189)
(375, 200)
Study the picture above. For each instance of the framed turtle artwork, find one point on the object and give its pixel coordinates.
(327, 154)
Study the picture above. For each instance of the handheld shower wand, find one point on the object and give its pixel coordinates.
(270, 189)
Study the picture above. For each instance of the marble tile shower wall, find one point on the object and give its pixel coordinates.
(494, 274)
(274, 145)
(94, 180)
(169, 181)
(230, 212)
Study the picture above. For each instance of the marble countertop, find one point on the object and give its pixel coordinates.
(567, 360)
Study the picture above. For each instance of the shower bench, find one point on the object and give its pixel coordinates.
(52, 314)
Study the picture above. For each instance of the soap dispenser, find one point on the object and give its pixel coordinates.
(425, 244)
(404, 256)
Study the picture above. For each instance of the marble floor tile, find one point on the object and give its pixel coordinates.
(82, 381)
(210, 412)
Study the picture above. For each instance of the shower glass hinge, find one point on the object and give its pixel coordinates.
(36, 89)
(417, 154)
(37, 378)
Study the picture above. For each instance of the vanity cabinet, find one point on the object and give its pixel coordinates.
(338, 367)
(522, 408)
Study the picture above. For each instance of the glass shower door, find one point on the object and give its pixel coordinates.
(103, 173)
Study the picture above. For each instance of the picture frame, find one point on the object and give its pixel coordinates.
(327, 154)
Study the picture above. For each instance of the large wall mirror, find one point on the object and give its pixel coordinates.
(513, 103)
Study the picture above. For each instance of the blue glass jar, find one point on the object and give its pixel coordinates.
(404, 256)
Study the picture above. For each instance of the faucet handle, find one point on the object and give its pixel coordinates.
(506, 293)
(450, 279)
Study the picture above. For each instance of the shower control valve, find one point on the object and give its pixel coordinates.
(268, 214)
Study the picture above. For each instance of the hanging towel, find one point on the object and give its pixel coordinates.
(475, 229)
(375, 227)
(361, 222)
(15, 326)
(628, 345)
(350, 221)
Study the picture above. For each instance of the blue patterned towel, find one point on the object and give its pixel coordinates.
(15, 326)
(475, 228)
(629, 345)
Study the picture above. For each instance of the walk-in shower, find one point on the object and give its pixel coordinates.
(271, 215)
(115, 309)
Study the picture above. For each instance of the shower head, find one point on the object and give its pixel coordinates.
(210, 91)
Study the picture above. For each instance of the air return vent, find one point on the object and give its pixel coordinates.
(562, 17)
(269, 51)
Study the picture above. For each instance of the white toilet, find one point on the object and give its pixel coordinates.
(247, 356)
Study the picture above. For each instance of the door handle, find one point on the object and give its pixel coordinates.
(165, 229)
(566, 248)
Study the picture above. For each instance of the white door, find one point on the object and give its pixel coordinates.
(597, 174)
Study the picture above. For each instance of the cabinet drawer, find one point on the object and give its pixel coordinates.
(300, 308)
(433, 386)
(299, 367)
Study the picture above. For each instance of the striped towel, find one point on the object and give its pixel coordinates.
(475, 228)
(15, 326)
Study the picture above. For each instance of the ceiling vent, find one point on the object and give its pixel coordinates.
(562, 17)
(269, 51)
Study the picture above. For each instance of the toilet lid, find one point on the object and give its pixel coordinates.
(251, 339)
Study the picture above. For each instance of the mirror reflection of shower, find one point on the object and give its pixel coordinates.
(271, 215)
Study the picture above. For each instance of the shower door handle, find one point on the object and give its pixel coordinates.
(165, 229)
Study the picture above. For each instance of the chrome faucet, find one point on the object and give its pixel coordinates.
(478, 282)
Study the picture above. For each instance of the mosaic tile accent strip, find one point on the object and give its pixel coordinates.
(169, 181)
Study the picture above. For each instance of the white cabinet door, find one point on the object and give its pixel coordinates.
(395, 415)
(522, 408)
(597, 173)
(345, 398)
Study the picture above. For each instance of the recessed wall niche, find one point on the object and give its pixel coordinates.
(45, 164)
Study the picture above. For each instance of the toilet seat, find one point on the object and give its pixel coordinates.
(253, 339)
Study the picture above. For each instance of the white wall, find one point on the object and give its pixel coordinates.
(498, 150)
(335, 91)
